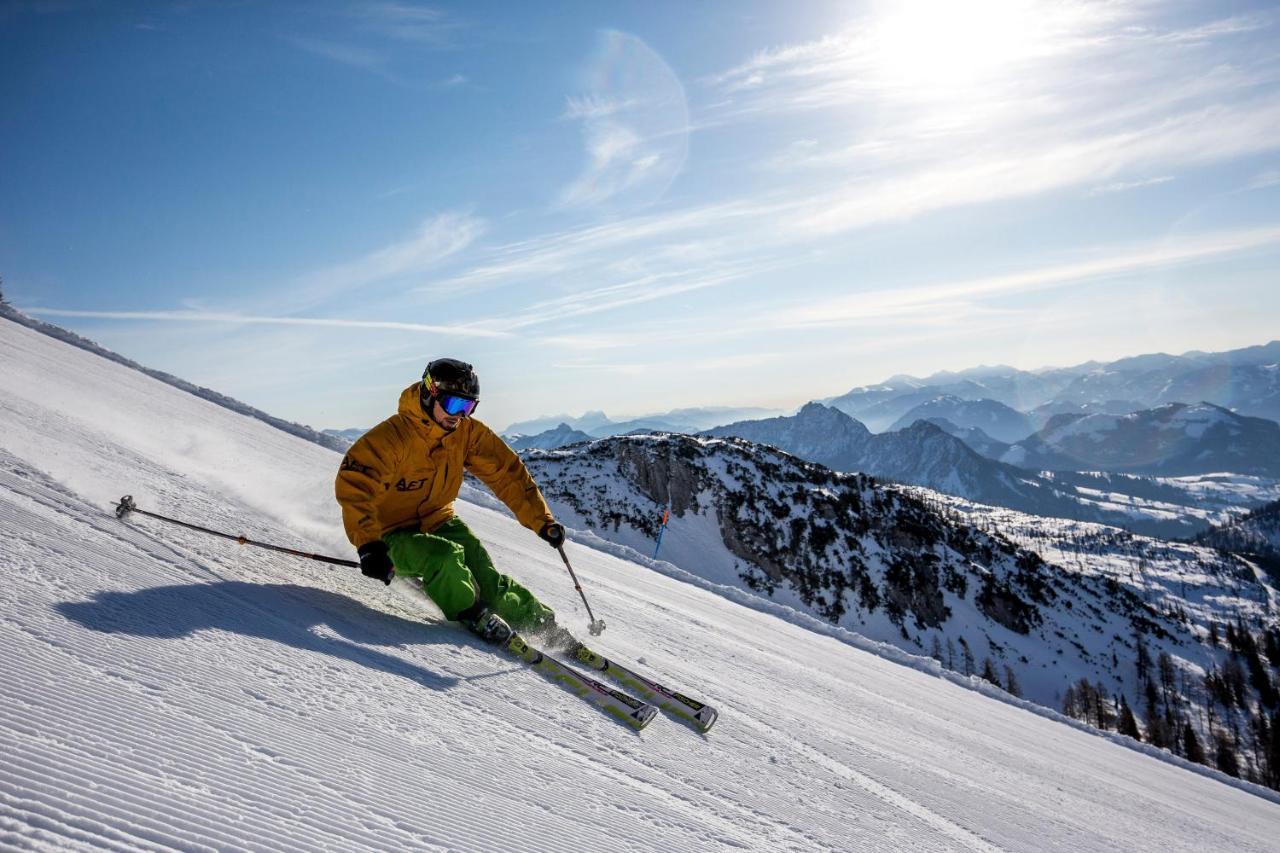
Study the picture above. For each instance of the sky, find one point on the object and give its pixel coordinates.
(636, 207)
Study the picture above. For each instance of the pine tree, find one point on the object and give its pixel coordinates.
(1128, 725)
(1272, 644)
(968, 657)
(1011, 685)
(1070, 703)
(1191, 747)
(1214, 639)
(1102, 708)
(1144, 658)
(1258, 676)
(1273, 753)
(1225, 757)
(989, 671)
(1168, 679)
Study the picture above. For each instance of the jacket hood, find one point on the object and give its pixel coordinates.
(411, 409)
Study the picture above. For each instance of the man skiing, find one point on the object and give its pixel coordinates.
(397, 485)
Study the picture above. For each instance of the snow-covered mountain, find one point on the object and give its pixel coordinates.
(549, 440)
(925, 455)
(994, 419)
(1255, 536)
(1245, 380)
(1172, 440)
(163, 689)
(1068, 601)
(975, 438)
(347, 436)
(600, 425)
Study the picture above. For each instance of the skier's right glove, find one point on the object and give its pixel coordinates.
(375, 562)
(553, 533)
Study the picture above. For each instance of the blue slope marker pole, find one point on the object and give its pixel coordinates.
(662, 528)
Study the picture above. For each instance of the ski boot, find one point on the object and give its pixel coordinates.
(490, 627)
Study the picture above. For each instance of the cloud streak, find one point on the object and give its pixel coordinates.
(944, 300)
(436, 239)
(250, 320)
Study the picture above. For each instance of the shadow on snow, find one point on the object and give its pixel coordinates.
(284, 613)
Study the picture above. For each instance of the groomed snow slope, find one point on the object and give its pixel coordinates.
(160, 688)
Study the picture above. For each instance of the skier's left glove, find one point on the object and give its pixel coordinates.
(553, 533)
(375, 562)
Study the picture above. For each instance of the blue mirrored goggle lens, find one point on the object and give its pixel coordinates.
(457, 405)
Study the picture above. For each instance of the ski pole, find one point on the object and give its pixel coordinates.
(597, 625)
(126, 506)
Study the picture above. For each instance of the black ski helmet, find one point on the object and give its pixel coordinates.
(450, 376)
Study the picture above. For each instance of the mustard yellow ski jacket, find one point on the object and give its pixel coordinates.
(406, 473)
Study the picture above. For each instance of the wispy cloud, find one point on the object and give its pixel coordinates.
(1268, 178)
(425, 25)
(945, 299)
(435, 240)
(1004, 100)
(647, 288)
(1125, 186)
(346, 54)
(635, 121)
(252, 320)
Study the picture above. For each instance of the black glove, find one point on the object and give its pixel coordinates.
(375, 562)
(553, 532)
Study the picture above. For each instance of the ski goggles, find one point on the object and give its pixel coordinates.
(454, 405)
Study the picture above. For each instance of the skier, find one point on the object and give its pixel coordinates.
(397, 485)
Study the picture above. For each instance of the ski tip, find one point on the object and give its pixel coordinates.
(643, 717)
(706, 718)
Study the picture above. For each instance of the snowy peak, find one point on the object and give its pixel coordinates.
(925, 455)
(993, 418)
(549, 440)
(816, 433)
(1243, 380)
(1173, 439)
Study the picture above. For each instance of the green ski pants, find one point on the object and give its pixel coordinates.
(457, 572)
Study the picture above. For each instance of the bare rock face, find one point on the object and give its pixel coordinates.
(664, 471)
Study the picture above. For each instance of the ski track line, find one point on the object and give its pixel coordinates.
(108, 762)
(730, 827)
(246, 804)
(35, 827)
(943, 825)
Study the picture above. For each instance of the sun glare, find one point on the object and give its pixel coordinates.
(934, 45)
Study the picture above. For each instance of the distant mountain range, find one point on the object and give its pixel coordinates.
(600, 425)
(924, 454)
(1246, 381)
(1171, 440)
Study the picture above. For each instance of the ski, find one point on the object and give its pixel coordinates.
(691, 712)
(627, 709)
